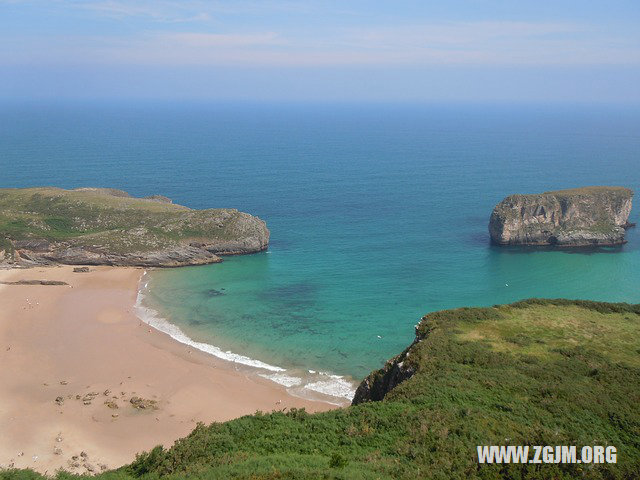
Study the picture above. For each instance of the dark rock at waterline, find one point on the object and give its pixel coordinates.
(214, 293)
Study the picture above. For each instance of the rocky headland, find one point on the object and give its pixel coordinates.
(96, 226)
(589, 216)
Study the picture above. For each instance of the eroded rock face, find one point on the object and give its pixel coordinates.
(578, 217)
(67, 254)
(180, 255)
(400, 368)
(374, 387)
(94, 226)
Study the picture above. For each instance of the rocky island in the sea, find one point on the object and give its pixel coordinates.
(589, 216)
(96, 226)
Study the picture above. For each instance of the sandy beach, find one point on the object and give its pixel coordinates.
(73, 356)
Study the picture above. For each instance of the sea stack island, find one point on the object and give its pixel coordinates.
(579, 217)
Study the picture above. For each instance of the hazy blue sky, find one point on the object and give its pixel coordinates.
(475, 50)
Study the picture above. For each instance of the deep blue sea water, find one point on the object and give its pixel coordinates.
(378, 213)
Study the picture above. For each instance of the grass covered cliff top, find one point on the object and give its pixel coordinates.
(592, 190)
(112, 221)
(537, 372)
(614, 193)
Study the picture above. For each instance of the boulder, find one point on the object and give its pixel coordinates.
(140, 403)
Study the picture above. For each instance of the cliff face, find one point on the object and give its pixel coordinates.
(577, 217)
(398, 369)
(108, 227)
(377, 384)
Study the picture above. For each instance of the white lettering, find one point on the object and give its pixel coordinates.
(536, 457)
(547, 454)
(610, 454)
(569, 454)
(587, 454)
(598, 454)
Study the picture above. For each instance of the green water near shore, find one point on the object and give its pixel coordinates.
(297, 318)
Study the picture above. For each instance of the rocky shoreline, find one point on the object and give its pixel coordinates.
(581, 217)
(50, 226)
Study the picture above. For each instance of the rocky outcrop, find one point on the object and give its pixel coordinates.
(400, 368)
(35, 282)
(65, 254)
(589, 216)
(95, 226)
(374, 387)
(159, 198)
(140, 403)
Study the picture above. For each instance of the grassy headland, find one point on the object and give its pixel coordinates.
(107, 226)
(537, 372)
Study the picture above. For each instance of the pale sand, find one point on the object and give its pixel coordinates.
(88, 336)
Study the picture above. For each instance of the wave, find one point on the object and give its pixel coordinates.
(282, 379)
(153, 319)
(323, 383)
(333, 385)
(320, 382)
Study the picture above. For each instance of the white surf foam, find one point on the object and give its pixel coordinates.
(153, 319)
(333, 385)
(321, 382)
(282, 379)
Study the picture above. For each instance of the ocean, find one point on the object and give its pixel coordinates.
(378, 214)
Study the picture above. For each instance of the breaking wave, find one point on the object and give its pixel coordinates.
(313, 381)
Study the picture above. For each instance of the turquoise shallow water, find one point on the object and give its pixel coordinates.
(378, 214)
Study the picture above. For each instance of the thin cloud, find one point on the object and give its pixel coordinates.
(460, 33)
(159, 11)
(166, 11)
(453, 43)
(209, 40)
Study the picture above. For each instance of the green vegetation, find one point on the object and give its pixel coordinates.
(621, 192)
(111, 221)
(7, 247)
(537, 372)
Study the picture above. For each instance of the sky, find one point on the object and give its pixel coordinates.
(585, 51)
